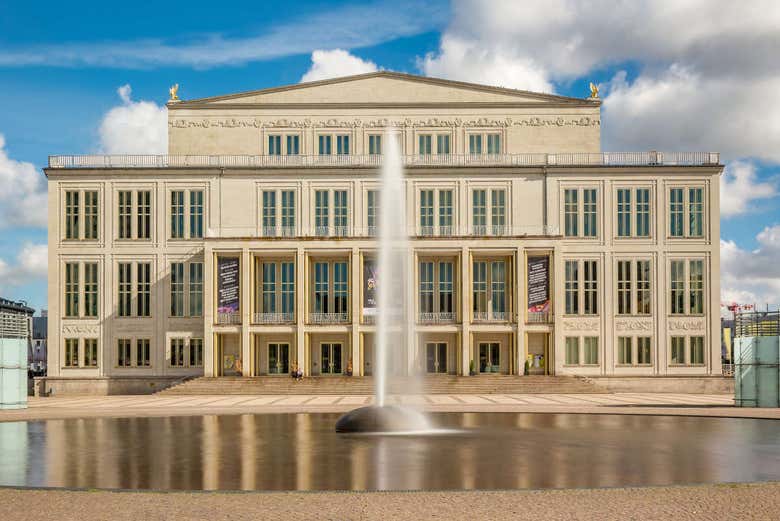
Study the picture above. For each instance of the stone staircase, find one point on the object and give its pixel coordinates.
(342, 385)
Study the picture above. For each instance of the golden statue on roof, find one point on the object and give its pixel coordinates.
(174, 92)
(594, 90)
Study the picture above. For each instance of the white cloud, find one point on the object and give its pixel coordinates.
(739, 188)
(134, 127)
(752, 277)
(23, 197)
(31, 264)
(334, 64)
(346, 27)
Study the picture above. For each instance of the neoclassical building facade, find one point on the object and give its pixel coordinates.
(251, 248)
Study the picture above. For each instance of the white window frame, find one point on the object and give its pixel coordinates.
(580, 189)
(687, 285)
(187, 232)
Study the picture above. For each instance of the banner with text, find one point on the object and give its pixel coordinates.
(369, 287)
(227, 285)
(538, 284)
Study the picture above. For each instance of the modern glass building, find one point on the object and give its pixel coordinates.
(251, 246)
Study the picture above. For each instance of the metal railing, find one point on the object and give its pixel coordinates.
(228, 318)
(539, 317)
(273, 318)
(651, 158)
(758, 323)
(492, 316)
(329, 318)
(442, 317)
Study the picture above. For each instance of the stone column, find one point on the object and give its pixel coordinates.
(356, 309)
(246, 312)
(300, 309)
(465, 310)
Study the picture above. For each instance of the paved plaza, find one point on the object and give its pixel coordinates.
(155, 405)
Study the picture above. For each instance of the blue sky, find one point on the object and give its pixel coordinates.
(61, 64)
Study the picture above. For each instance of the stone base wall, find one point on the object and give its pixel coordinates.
(54, 386)
(665, 384)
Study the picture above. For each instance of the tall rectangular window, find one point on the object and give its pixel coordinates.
(676, 212)
(446, 300)
(426, 287)
(177, 352)
(72, 215)
(288, 213)
(696, 212)
(177, 289)
(196, 214)
(498, 290)
(91, 215)
(288, 288)
(572, 287)
(71, 352)
(479, 212)
(340, 212)
(269, 213)
(677, 287)
(342, 145)
(124, 355)
(494, 143)
(696, 286)
(274, 145)
(498, 211)
(340, 287)
(125, 287)
(144, 214)
(589, 209)
(144, 288)
(591, 287)
(71, 289)
(572, 350)
(678, 350)
(372, 211)
(442, 144)
(697, 350)
(91, 289)
(177, 214)
(445, 212)
(125, 214)
(375, 145)
(269, 287)
(90, 352)
(643, 287)
(325, 145)
(643, 351)
(425, 144)
(196, 351)
(196, 289)
(321, 211)
(643, 212)
(624, 212)
(479, 288)
(426, 212)
(475, 144)
(624, 288)
(624, 350)
(142, 352)
(571, 212)
(591, 350)
(293, 145)
(321, 287)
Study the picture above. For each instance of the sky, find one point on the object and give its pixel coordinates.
(675, 75)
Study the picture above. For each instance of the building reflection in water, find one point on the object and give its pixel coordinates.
(302, 452)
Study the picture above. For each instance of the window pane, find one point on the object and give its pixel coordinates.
(572, 350)
(177, 214)
(143, 288)
(677, 287)
(90, 289)
(479, 212)
(697, 349)
(572, 287)
(288, 213)
(676, 212)
(325, 145)
(445, 212)
(498, 289)
(144, 214)
(177, 289)
(498, 211)
(340, 212)
(624, 350)
(288, 289)
(90, 352)
(71, 352)
(91, 215)
(425, 144)
(624, 212)
(678, 350)
(643, 287)
(196, 214)
(321, 287)
(269, 287)
(321, 209)
(125, 214)
(475, 144)
(374, 145)
(443, 144)
(591, 349)
(293, 145)
(571, 210)
(426, 287)
(342, 145)
(372, 211)
(125, 287)
(591, 287)
(494, 143)
(445, 288)
(196, 289)
(589, 210)
(72, 215)
(624, 287)
(643, 350)
(71, 289)
(696, 285)
(643, 212)
(274, 145)
(269, 213)
(426, 212)
(340, 287)
(479, 288)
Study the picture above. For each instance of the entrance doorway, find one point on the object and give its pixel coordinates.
(538, 360)
(228, 351)
(436, 357)
(278, 358)
(330, 358)
(489, 357)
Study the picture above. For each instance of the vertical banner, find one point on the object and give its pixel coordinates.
(369, 287)
(538, 284)
(227, 285)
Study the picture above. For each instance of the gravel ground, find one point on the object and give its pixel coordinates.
(701, 502)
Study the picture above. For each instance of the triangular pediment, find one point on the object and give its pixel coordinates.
(384, 87)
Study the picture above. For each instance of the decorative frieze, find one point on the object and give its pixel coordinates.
(633, 325)
(534, 121)
(581, 325)
(81, 329)
(689, 324)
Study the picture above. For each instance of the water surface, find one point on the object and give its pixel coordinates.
(302, 452)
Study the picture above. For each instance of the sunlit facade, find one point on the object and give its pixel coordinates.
(251, 248)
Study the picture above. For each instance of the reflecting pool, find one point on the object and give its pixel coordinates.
(302, 452)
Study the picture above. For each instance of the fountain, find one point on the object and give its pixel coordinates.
(393, 257)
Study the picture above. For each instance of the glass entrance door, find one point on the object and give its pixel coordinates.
(436, 357)
(278, 358)
(331, 358)
(489, 357)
